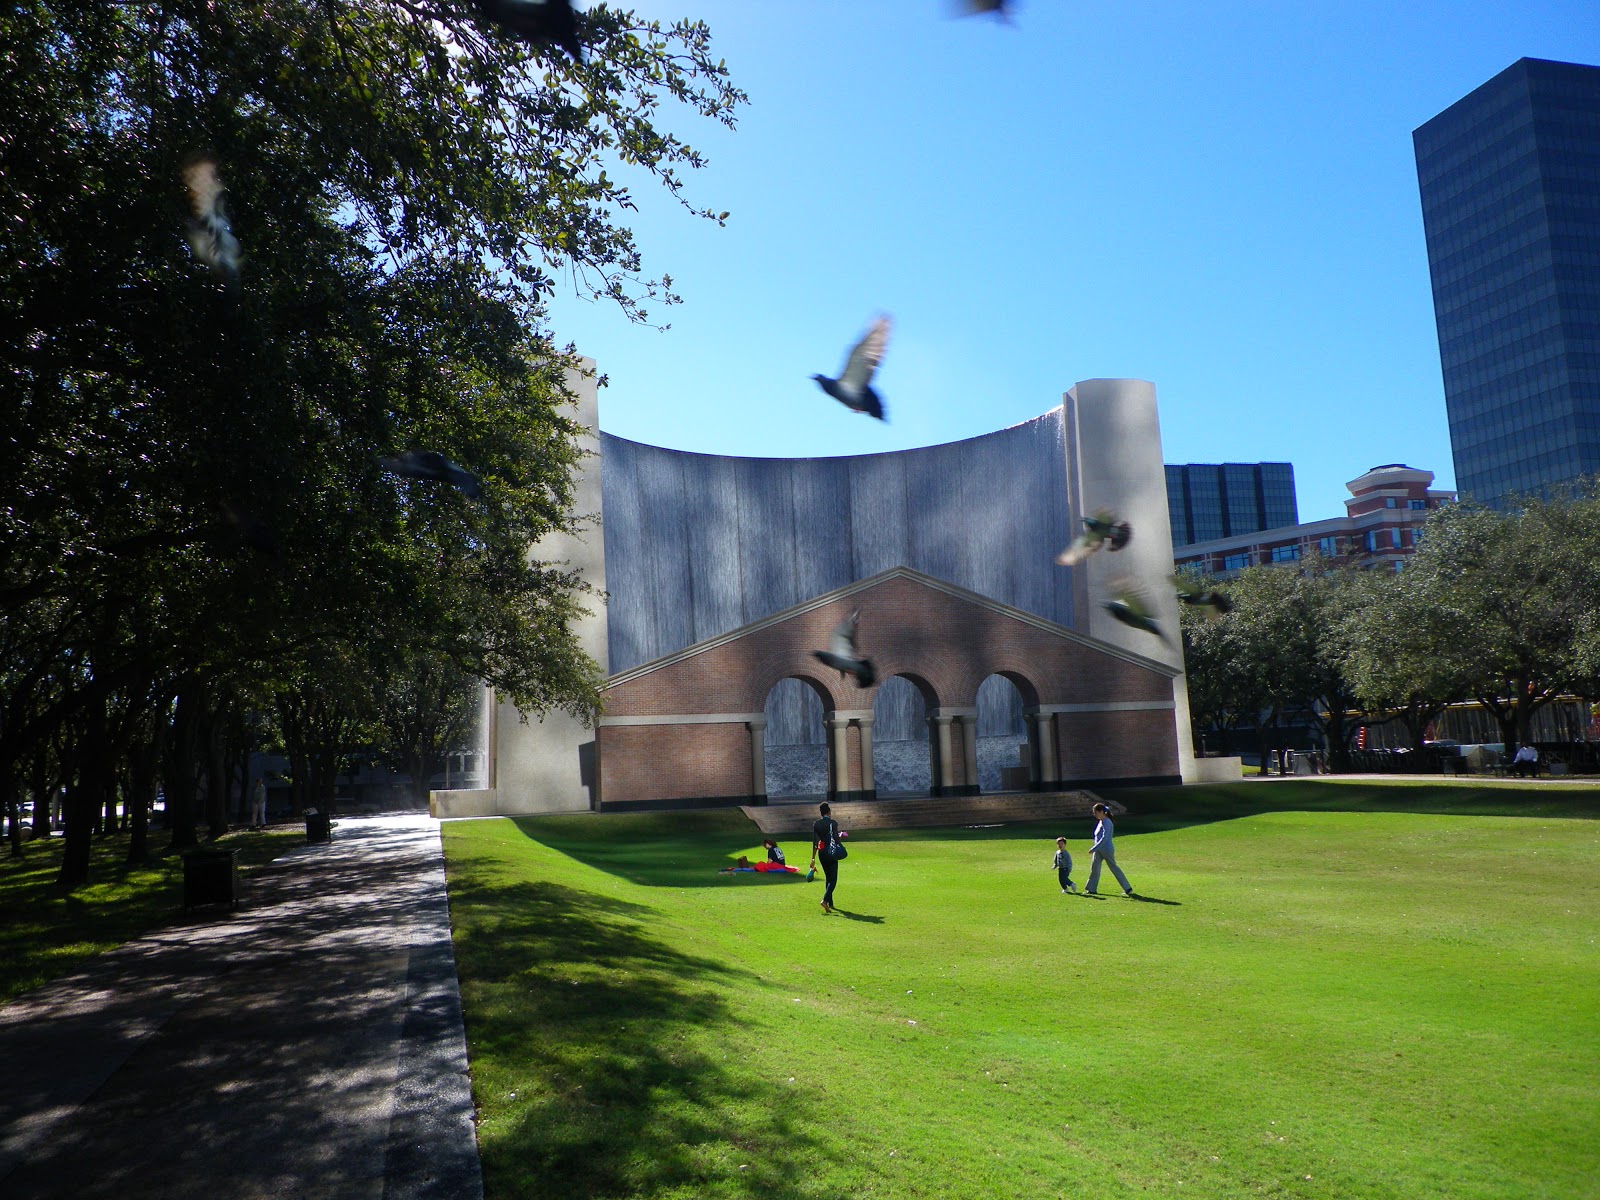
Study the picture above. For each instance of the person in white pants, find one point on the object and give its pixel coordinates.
(258, 804)
(1101, 852)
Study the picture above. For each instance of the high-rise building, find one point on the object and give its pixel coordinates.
(1510, 181)
(1216, 500)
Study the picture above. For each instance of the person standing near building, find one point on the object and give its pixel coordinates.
(1103, 853)
(258, 804)
(824, 837)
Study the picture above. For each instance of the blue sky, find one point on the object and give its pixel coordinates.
(1220, 198)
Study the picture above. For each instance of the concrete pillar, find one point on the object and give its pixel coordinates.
(969, 751)
(758, 758)
(1049, 773)
(840, 763)
(944, 781)
(867, 783)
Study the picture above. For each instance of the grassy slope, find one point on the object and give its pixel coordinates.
(1393, 1004)
(44, 934)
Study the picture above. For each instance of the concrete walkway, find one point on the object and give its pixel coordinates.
(308, 1045)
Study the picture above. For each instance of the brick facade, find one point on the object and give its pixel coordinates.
(1109, 712)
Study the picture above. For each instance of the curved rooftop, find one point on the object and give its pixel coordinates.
(697, 545)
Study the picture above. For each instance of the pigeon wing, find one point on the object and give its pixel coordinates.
(843, 642)
(865, 357)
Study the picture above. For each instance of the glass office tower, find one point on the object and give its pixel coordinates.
(1510, 181)
(1212, 500)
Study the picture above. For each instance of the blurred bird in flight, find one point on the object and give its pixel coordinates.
(1101, 530)
(1129, 606)
(550, 21)
(842, 655)
(1206, 600)
(853, 387)
(210, 235)
(430, 464)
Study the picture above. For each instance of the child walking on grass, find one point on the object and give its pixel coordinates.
(1063, 866)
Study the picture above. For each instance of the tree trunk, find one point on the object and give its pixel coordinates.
(8, 791)
(40, 788)
(141, 793)
(180, 772)
(87, 794)
(216, 778)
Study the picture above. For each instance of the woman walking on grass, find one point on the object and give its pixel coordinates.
(1103, 853)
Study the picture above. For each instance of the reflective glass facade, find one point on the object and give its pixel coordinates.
(1510, 182)
(1215, 500)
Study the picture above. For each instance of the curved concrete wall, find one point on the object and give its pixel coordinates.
(697, 545)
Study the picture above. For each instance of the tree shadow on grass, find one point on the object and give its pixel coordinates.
(1160, 809)
(597, 1062)
(667, 849)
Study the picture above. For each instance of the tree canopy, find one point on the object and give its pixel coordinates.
(195, 440)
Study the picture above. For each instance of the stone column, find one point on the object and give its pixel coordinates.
(969, 750)
(868, 785)
(1049, 773)
(758, 759)
(841, 753)
(944, 784)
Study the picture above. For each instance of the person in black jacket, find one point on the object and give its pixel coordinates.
(825, 834)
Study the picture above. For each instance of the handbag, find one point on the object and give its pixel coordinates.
(835, 850)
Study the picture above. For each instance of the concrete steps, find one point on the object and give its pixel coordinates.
(926, 812)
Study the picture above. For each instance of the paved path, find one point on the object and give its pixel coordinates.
(309, 1045)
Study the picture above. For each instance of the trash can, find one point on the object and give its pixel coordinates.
(210, 876)
(319, 826)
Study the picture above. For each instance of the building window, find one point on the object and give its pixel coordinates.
(1416, 505)
(1372, 541)
(1328, 546)
(1235, 562)
(1285, 553)
(1394, 538)
(1390, 502)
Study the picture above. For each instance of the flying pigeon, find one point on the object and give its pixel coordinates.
(210, 235)
(1128, 606)
(551, 21)
(853, 387)
(1102, 529)
(430, 464)
(1207, 600)
(1000, 8)
(841, 654)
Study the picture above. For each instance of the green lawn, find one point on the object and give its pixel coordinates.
(1321, 998)
(44, 934)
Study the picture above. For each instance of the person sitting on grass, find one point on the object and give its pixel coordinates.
(744, 864)
(774, 855)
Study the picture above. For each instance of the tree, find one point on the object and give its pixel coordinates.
(426, 707)
(194, 492)
(1511, 598)
(1402, 653)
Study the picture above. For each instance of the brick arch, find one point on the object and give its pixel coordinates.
(806, 675)
(929, 693)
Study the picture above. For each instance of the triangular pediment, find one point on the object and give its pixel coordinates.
(872, 581)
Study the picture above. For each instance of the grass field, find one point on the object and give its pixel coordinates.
(1324, 995)
(44, 934)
